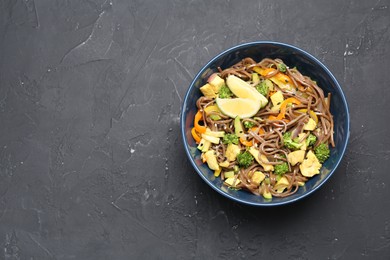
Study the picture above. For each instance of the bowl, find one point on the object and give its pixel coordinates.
(308, 65)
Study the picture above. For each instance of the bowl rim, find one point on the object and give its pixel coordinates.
(242, 46)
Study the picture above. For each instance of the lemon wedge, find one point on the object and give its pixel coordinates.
(242, 107)
(242, 89)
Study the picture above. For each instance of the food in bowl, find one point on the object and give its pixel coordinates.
(263, 127)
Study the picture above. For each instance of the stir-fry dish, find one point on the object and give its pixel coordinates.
(263, 127)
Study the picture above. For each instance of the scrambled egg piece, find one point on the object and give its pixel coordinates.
(296, 157)
(211, 88)
(256, 153)
(216, 82)
(310, 166)
(257, 177)
(231, 152)
(232, 182)
(310, 125)
(224, 164)
(208, 91)
(281, 185)
(211, 160)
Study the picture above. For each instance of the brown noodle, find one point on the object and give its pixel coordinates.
(270, 142)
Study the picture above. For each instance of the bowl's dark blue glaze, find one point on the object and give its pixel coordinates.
(308, 65)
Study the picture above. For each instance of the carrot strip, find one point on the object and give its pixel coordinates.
(261, 131)
(263, 72)
(199, 117)
(255, 128)
(278, 76)
(245, 142)
(195, 135)
(283, 108)
(311, 113)
(283, 78)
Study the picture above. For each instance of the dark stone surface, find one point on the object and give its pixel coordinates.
(91, 159)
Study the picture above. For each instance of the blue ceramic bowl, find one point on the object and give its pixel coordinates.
(307, 65)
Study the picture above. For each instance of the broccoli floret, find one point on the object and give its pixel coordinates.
(245, 159)
(322, 152)
(282, 67)
(289, 143)
(311, 140)
(225, 92)
(280, 169)
(248, 124)
(230, 139)
(262, 88)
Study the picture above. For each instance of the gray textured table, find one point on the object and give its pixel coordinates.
(92, 164)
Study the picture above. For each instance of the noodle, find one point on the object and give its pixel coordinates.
(267, 128)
